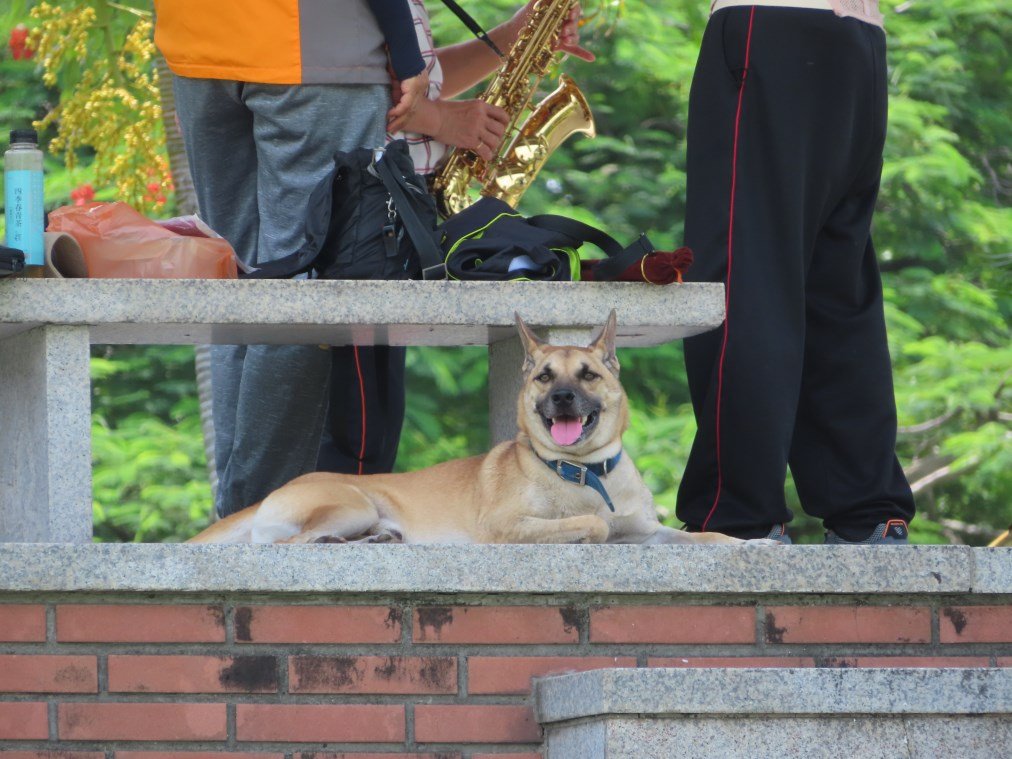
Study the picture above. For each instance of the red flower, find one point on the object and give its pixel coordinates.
(82, 194)
(17, 43)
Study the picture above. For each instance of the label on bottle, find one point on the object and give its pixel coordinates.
(25, 214)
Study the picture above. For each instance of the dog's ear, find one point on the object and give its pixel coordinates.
(531, 342)
(604, 344)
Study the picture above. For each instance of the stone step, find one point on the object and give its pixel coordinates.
(759, 713)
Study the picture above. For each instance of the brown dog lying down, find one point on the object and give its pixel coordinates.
(564, 479)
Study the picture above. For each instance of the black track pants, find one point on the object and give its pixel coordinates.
(787, 120)
(366, 410)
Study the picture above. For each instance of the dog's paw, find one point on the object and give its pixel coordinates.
(330, 539)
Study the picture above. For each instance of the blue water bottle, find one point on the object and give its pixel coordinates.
(23, 195)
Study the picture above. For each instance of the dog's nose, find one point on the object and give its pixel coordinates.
(563, 397)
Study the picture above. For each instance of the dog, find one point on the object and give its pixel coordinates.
(564, 479)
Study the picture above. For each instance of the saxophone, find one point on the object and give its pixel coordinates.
(525, 147)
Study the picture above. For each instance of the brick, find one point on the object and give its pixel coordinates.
(139, 623)
(192, 674)
(975, 624)
(730, 661)
(192, 755)
(1004, 661)
(495, 624)
(24, 721)
(673, 624)
(451, 723)
(372, 674)
(141, 722)
(847, 624)
(317, 624)
(312, 723)
(512, 674)
(358, 755)
(903, 661)
(8, 754)
(46, 673)
(22, 623)
(505, 756)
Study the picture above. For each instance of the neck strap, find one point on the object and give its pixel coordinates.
(473, 25)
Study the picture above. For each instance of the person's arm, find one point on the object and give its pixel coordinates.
(467, 63)
(398, 27)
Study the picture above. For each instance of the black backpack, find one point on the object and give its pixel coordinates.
(354, 228)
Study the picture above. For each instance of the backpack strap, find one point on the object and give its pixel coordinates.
(425, 244)
(619, 258)
(318, 211)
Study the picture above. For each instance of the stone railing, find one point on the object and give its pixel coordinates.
(429, 651)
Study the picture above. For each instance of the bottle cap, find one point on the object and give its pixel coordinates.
(24, 135)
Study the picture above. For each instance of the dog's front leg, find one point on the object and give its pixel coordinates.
(587, 528)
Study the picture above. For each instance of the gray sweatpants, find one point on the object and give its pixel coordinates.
(256, 151)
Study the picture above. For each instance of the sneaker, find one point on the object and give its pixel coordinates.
(893, 532)
(779, 533)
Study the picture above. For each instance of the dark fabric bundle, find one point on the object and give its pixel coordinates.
(489, 240)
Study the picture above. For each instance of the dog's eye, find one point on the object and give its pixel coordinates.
(589, 376)
(545, 376)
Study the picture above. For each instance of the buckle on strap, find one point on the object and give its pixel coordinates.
(582, 469)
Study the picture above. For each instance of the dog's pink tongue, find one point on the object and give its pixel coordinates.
(566, 431)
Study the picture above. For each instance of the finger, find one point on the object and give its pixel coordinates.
(497, 128)
(484, 150)
(397, 116)
(498, 115)
(580, 52)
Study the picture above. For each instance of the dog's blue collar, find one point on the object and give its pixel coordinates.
(586, 474)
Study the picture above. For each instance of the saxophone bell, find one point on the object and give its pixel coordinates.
(560, 115)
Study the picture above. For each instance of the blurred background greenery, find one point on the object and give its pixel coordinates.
(943, 232)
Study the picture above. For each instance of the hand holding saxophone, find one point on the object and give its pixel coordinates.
(469, 124)
(569, 35)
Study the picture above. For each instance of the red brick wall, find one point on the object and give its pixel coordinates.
(147, 677)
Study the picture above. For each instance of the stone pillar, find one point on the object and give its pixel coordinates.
(505, 359)
(45, 436)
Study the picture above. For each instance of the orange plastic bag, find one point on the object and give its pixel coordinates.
(120, 242)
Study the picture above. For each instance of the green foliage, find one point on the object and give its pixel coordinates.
(943, 231)
(150, 472)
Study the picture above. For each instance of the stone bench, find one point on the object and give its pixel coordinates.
(47, 327)
(885, 713)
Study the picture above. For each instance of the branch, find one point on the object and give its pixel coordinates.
(974, 530)
(940, 475)
(921, 467)
(916, 429)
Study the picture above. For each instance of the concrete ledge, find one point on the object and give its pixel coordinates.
(341, 312)
(26, 567)
(770, 713)
(773, 692)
